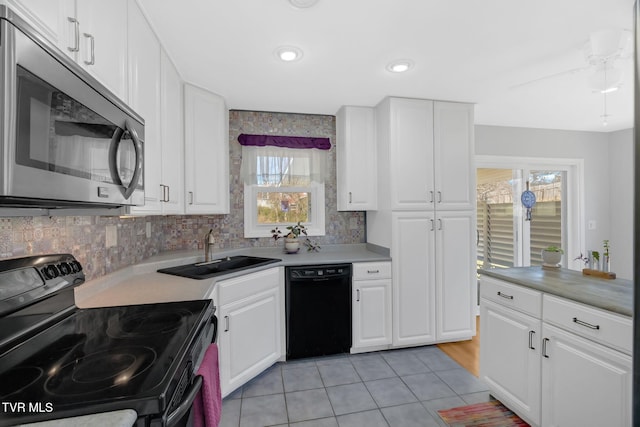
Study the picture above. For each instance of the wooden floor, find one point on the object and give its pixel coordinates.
(466, 353)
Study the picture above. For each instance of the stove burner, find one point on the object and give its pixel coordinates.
(147, 324)
(103, 370)
(16, 380)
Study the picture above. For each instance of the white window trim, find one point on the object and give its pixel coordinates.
(575, 194)
(253, 229)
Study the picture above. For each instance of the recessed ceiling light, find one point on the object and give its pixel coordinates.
(288, 53)
(400, 66)
(303, 4)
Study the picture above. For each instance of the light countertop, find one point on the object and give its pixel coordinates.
(141, 283)
(614, 295)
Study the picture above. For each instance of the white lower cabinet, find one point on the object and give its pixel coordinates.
(371, 306)
(250, 325)
(545, 357)
(434, 279)
(583, 383)
(509, 362)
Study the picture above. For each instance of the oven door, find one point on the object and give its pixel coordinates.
(68, 140)
(181, 415)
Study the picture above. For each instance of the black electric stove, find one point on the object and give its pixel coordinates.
(59, 361)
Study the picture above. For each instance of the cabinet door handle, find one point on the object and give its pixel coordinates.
(531, 334)
(168, 193)
(505, 296)
(544, 347)
(439, 196)
(164, 192)
(431, 225)
(350, 197)
(357, 295)
(190, 197)
(226, 323)
(439, 223)
(93, 50)
(431, 196)
(588, 325)
(76, 35)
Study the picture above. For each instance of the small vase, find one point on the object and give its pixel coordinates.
(291, 245)
(605, 263)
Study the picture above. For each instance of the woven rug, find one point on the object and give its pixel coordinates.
(487, 414)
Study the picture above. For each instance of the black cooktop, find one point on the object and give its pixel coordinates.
(103, 355)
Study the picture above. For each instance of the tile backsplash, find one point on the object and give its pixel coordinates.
(85, 236)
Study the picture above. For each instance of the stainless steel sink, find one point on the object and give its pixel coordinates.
(217, 267)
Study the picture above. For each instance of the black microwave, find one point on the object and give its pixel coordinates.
(67, 141)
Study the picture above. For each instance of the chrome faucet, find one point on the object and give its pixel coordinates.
(209, 241)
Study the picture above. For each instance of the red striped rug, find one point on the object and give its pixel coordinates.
(486, 414)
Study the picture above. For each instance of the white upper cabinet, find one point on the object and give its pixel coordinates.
(103, 41)
(172, 182)
(49, 17)
(410, 136)
(206, 152)
(91, 32)
(454, 164)
(144, 98)
(430, 149)
(356, 159)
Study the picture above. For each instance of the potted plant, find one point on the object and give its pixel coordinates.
(596, 260)
(551, 256)
(291, 241)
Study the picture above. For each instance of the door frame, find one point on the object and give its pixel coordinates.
(575, 216)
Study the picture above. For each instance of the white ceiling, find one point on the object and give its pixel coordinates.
(463, 50)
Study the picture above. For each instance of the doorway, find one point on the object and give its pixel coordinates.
(509, 234)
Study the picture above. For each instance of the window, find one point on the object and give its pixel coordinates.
(505, 237)
(283, 186)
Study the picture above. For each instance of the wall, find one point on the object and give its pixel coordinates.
(607, 163)
(84, 236)
(621, 195)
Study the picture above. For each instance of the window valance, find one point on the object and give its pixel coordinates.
(284, 141)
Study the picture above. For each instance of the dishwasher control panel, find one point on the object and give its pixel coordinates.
(309, 272)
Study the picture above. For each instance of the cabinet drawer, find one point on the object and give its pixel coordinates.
(604, 327)
(237, 288)
(371, 270)
(517, 297)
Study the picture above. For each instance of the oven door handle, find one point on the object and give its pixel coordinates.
(183, 409)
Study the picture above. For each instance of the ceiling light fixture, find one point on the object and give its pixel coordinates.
(288, 53)
(400, 66)
(303, 4)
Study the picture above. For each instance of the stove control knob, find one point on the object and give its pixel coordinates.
(64, 268)
(76, 266)
(50, 272)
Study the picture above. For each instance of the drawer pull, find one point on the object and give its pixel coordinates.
(373, 271)
(588, 325)
(531, 334)
(500, 294)
(544, 347)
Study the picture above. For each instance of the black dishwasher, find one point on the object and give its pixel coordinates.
(318, 307)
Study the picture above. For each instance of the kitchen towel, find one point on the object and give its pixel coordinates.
(207, 407)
